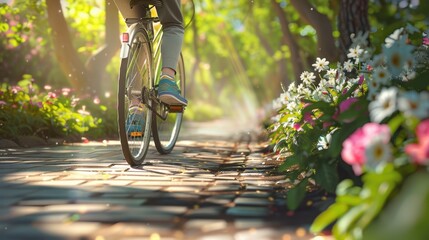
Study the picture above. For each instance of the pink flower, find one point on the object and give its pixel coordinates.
(96, 100)
(327, 124)
(369, 68)
(297, 126)
(16, 89)
(354, 147)
(66, 91)
(52, 95)
(344, 106)
(426, 41)
(308, 117)
(419, 152)
(362, 78)
(37, 104)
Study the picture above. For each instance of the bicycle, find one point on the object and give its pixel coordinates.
(139, 73)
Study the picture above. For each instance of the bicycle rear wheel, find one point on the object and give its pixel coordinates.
(165, 132)
(135, 78)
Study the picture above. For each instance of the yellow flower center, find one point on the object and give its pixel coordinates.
(396, 60)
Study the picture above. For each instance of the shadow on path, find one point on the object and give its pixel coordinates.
(205, 189)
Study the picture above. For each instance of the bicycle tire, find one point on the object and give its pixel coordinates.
(166, 132)
(134, 121)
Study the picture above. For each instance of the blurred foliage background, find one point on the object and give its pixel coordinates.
(238, 54)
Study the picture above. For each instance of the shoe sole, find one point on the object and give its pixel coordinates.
(171, 100)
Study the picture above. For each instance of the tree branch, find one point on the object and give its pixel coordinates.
(289, 40)
(322, 25)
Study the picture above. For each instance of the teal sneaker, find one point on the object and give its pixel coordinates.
(135, 122)
(169, 93)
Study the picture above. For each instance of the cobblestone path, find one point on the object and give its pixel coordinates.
(205, 189)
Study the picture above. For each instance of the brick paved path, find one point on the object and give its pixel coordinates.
(216, 189)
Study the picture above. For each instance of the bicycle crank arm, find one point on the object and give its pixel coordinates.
(159, 108)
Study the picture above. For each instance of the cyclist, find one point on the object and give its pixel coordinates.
(171, 18)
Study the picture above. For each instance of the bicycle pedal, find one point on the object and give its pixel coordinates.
(176, 108)
(136, 134)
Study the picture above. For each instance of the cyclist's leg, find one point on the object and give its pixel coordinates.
(171, 18)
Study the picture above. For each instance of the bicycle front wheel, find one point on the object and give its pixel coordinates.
(135, 79)
(165, 132)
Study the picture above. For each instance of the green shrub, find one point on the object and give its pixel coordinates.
(26, 110)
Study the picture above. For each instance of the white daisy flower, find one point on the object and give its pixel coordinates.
(292, 106)
(354, 81)
(321, 64)
(277, 104)
(408, 75)
(348, 66)
(332, 82)
(378, 152)
(324, 142)
(414, 104)
(292, 87)
(300, 88)
(377, 61)
(331, 72)
(306, 92)
(284, 97)
(276, 118)
(322, 84)
(372, 95)
(392, 38)
(373, 85)
(398, 55)
(384, 104)
(355, 52)
(307, 77)
(381, 75)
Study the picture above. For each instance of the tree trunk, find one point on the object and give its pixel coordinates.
(352, 19)
(65, 52)
(322, 25)
(92, 75)
(96, 64)
(289, 40)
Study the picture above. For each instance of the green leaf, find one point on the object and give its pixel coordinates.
(280, 145)
(290, 161)
(337, 139)
(296, 195)
(327, 217)
(347, 221)
(420, 83)
(344, 186)
(4, 27)
(323, 106)
(343, 133)
(348, 93)
(326, 176)
(396, 122)
(350, 200)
